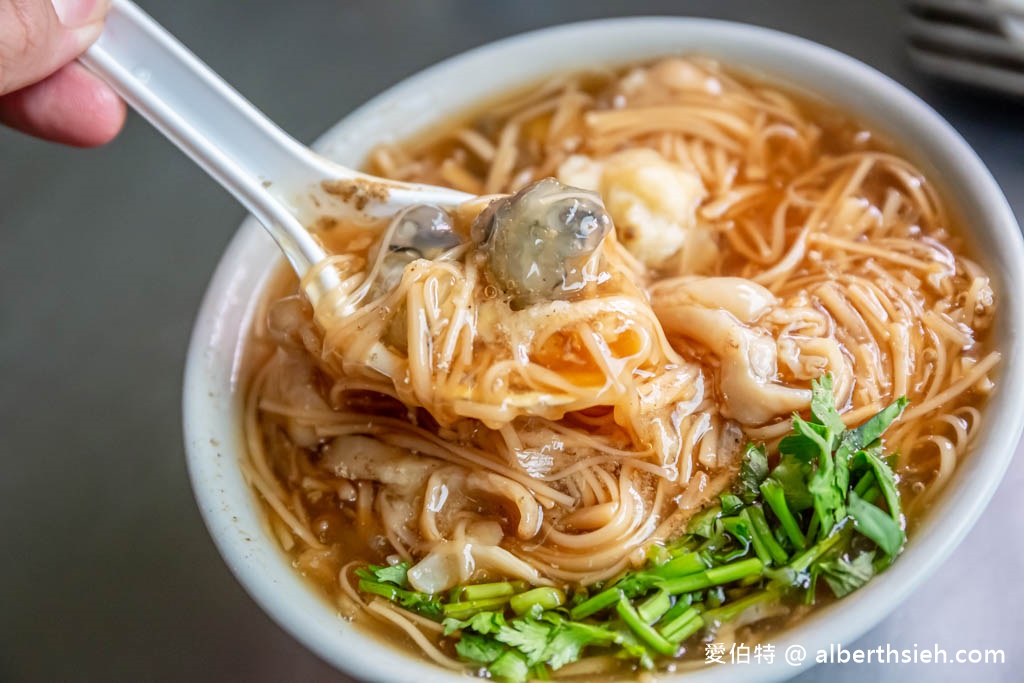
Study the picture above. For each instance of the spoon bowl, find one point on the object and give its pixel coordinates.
(283, 183)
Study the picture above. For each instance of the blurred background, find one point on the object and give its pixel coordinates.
(106, 570)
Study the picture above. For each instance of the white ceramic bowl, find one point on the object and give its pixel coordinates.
(212, 399)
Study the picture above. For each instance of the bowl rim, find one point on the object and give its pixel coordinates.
(211, 388)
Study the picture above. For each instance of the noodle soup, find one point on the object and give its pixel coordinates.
(508, 423)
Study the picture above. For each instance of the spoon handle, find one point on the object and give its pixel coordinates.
(208, 120)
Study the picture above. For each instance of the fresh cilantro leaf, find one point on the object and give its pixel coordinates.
(799, 447)
(753, 471)
(567, 645)
(885, 479)
(739, 529)
(730, 503)
(841, 474)
(451, 625)
(657, 554)
(553, 639)
(485, 623)
(815, 433)
(828, 499)
(596, 635)
(706, 523)
(873, 522)
(789, 527)
(792, 474)
(868, 433)
(817, 465)
(421, 603)
(826, 494)
(859, 462)
(510, 667)
(845, 576)
(478, 648)
(395, 573)
(570, 637)
(633, 584)
(823, 406)
(528, 636)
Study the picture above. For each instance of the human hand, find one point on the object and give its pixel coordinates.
(43, 91)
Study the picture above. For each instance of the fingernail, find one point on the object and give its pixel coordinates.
(86, 35)
(74, 13)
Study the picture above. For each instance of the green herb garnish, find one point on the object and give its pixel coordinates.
(829, 508)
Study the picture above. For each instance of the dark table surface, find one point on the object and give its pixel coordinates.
(106, 571)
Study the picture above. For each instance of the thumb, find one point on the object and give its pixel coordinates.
(37, 37)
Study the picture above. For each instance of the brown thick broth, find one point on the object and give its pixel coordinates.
(351, 534)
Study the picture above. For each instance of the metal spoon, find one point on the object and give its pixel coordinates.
(267, 170)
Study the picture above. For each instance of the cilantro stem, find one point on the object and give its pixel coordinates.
(775, 496)
(733, 609)
(713, 577)
(683, 626)
(755, 538)
(734, 571)
(545, 597)
(483, 591)
(646, 633)
(385, 590)
(470, 607)
(760, 528)
(604, 599)
(864, 484)
(872, 494)
(824, 517)
(735, 556)
(382, 589)
(682, 604)
(690, 563)
(804, 560)
(813, 526)
(652, 609)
